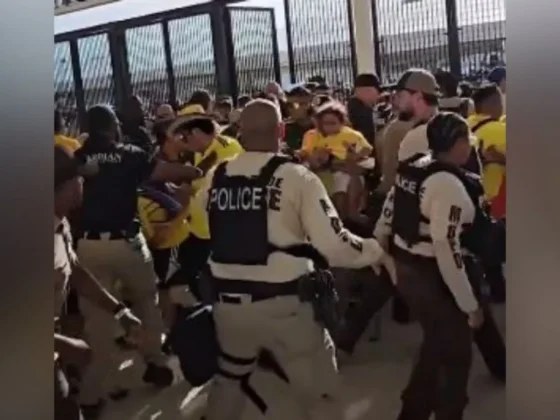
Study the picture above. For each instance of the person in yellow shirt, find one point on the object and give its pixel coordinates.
(163, 210)
(490, 133)
(60, 139)
(200, 135)
(329, 147)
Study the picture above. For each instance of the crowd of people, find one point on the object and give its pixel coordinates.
(293, 218)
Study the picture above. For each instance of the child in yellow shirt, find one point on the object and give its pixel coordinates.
(331, 144)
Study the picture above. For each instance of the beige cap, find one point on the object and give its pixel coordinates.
(418, 80)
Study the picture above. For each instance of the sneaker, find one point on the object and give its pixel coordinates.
(159, 376)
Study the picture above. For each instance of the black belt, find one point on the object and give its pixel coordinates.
(240, 291)
(94, 235)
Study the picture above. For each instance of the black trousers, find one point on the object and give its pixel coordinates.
(439, 378)
(65, 405)
(192, 257)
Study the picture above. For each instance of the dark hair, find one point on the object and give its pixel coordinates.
(465, 90)
(484, 93)
(299, 91)
(323, 86)
(201, 97)
(58, 121)
(243, 100)
(447, 82)
(444, 130)
(311, 86)
(321, 100)
(160, 130)
(101, 119)
(206, 125)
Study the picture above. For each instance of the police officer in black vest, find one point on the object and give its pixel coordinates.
(271, 222)
(435, 221)
(111, 245)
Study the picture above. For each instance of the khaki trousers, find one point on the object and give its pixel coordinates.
(286, 327)
(128, 261)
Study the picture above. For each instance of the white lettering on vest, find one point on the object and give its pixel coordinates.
(104, 158)
(406, 184)
(243, 198)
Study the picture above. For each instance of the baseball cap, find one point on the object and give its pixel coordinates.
(418, 80)
(367, 80)
(497, 74)
(186, 121)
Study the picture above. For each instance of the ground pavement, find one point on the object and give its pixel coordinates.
(372, 380)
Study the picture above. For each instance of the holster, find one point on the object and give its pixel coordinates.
(319, 289)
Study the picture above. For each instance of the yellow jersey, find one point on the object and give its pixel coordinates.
(160, 229)
(68, 143)
(222, 148)
(490, 134)
(337, 144)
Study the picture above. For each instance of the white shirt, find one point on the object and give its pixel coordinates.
(415, 141)
(447, 205)
(305, 212)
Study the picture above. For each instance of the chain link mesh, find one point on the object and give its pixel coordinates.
(192, 54)
(64, 88)
(321, 41)
(411, 34)
(482, 35)
(253, 43)
(97, 70)
(147, 65)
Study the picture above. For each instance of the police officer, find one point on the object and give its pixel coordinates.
(111, 245)
(262, 211)
(434, 216)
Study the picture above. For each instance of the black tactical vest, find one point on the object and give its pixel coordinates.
(411, 174)
(238, 219)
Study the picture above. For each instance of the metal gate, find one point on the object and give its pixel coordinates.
(164, 57)
(320, 40)
(255, 48)
(482, 36)
(410, 34)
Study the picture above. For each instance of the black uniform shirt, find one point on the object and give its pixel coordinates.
(110, 197)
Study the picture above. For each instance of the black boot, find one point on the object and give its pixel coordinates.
(159, 376)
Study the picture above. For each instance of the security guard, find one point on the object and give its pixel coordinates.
(68, 270)
(434, 214)
(111, 245)
(262, 211)
(199, 134)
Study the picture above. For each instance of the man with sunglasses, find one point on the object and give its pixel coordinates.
(417, 95)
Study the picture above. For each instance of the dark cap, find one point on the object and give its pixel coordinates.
(444, 130)
(66, 167)
(418, 80)
(101, 117)
(367, 80)
(497, 75)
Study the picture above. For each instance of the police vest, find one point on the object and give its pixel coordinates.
(238, 219)
(477, 237)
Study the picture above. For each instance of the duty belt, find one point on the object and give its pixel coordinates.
(240, 291)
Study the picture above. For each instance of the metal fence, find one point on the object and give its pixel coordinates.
(165, 57)
(320, 40)
(466, 37)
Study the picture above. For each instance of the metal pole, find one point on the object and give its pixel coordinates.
(275, 50)
(454, 43)
(224, 57)
(376, 39)
(169, 63)
(78, 83)
(291, 61)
